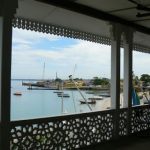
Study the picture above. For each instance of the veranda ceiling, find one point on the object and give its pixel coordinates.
(56, 14)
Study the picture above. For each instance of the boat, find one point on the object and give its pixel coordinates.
(18, 93)
(41, 88)
(63, 95)
(105, 95)
(96, 98)
(88, 102)
(89, 92)
(58, 92)
(81, 101)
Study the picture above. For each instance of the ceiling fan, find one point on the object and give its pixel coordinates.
(141, 7)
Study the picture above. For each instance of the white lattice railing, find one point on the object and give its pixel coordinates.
(75, 131)
(64, 132)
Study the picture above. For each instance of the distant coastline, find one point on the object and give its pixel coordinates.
(30, 79)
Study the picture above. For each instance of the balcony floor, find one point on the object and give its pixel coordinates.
(134, 142)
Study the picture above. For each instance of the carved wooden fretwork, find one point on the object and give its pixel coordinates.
(75, 131)
(140, 119)
(57, 30)
(123, 120)
(65, 132)
(67, 32)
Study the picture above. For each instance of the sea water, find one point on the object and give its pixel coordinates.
(44, 103)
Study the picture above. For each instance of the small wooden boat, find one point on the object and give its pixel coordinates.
(39, 88)
(58, 92)
(63, 95)
(104, 95)
(96, 98)
(89, 102)
(18, 93)
(89, 92)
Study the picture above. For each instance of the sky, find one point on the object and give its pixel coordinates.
(64, 56)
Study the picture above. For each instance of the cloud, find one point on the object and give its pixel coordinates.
(141, 63)
(92, 59)
(21, 36)
(82, 51)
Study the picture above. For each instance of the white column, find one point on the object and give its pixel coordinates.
(115, 66)
(127, 88)
(6, 14)
(127, 84)
(115, 74)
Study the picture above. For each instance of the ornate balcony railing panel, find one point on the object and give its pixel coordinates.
(64, 132)
(78, 130)
(123, 122)
(140, 119)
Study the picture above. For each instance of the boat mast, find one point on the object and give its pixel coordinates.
(62, 100)
(73, 101)
(43, 75)
(72, 90)
(74, 70)
(70, 77)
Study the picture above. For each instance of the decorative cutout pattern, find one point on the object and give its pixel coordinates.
(141, 48)
(66, 32)
(75, 131)
(65, 132)
(57, 30)
(123, 121)
(140, 119)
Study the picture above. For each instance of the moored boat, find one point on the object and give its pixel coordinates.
(58, 92)
(89, 92)
(95, 98)
(18, 93)
(88, 102)
(104, 94)
(63, 95)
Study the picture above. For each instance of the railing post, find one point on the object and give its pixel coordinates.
(6, 14)
(115, 73)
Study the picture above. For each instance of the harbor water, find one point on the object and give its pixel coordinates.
(45, 103)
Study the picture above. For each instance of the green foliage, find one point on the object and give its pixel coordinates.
(77, 79)
(135, 80)
(145, 78)
(100, 81)
(58, 80)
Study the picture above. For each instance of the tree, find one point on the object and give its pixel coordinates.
(58, 80)
(97, 81)
(145, 78)
(100, 81)
(135, 80)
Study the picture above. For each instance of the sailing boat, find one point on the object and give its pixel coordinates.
(86, 102)
(63, 95)
(62, 101)
(41, 84)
